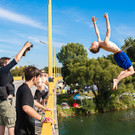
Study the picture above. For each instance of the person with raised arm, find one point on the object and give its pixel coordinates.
(7, 109)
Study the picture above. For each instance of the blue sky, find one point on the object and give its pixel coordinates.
(26, 20)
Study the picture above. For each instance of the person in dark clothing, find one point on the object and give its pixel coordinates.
(7, 110)
(25, 123)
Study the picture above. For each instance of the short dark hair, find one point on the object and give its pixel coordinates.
(94, 50)
(31, 72)
(3, 60)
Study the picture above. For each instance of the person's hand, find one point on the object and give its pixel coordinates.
(27, 44)
(10, 96)
(93, 19)
(47, 119)
(106, 16)
(27, 47)
(49, 109)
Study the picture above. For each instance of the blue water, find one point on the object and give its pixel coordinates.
(112, 123)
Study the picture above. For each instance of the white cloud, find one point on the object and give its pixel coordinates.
(37, 39)
(124, 30)
(33, 39)
(91, 26)
(18, 18)
(6, 51)
(57, 29)
(58, 44)
(75, 15)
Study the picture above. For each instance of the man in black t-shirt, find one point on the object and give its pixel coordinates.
(25, 124)
(7, 110)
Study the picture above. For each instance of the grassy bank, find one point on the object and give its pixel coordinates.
(89, 107)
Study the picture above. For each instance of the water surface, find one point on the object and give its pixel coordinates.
(112, 123)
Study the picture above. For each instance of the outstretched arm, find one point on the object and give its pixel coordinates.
(20, 54)
(107, 27)
(41, 106)
(96, 28)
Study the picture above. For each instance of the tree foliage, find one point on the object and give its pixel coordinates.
(110, 57)
(17, 71)
(101, 72)
(73, 57)
(77, 68)
(130, 48)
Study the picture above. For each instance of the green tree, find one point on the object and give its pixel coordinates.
(101, 72)
(73, 57)
(46, 69)
(110, 57)
(130, 48)
(17, 71)
(77, 68)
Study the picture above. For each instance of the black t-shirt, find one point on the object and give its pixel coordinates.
(25, 124)
(6, 79)
(5, 74)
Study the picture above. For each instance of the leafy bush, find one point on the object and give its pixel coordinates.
(88, 107)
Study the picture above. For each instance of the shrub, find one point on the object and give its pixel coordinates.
(88, 107)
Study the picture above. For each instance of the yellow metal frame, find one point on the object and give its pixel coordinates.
(47, 128)
(54, 62)
(17, 78)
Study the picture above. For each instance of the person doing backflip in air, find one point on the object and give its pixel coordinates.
(120, 57)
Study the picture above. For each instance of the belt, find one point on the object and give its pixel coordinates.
(118, 52)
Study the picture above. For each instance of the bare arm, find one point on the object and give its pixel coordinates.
(19, 55)
(47, 83)
(107, 27)
(41, 106)
(96, 28)
(31, 112)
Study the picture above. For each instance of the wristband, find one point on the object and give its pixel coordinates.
(42, 119)
(94, 22)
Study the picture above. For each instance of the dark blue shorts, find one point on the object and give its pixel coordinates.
(122, 60)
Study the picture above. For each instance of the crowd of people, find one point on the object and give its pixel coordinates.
(20, 119)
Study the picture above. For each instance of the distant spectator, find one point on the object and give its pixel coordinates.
(42, 91)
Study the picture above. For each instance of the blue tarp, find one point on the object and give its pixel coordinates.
(76, 97)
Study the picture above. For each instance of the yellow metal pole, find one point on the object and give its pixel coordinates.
(47, 127)
(50, 43)
(54, 61)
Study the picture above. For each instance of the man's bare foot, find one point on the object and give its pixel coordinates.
(115, 84)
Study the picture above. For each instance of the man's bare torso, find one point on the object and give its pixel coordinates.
(109, 46)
